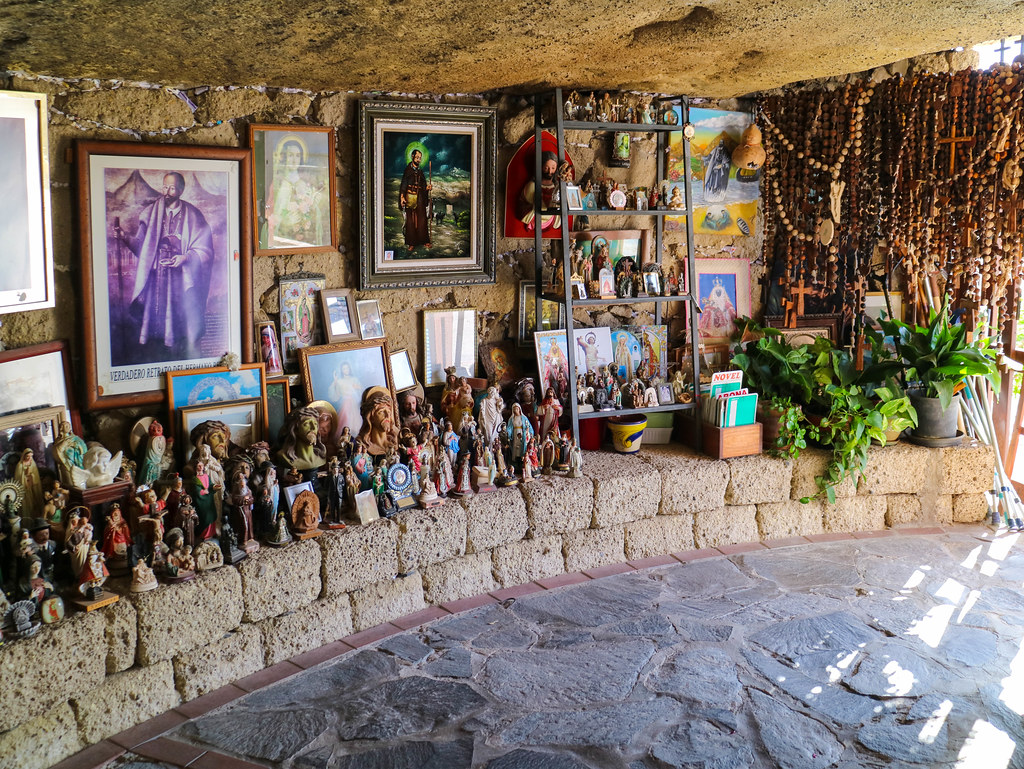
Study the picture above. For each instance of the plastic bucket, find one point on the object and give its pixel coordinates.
(591, 433)
(627, 432)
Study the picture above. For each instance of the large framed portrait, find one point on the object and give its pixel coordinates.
(26, 282)
(449, 339)
(166, 266)
(808, 327)
(293, 189)
(36, 377)
(246, 419)
(723, 293)
(426, 194)
(198, 387)
(342, 373)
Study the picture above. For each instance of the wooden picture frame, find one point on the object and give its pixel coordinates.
(449, 339)
(246, 417)
(217, 384)
(47, 420)
(371, 322)
(293, 189)
(722, 294)
(279, 403)
(393, 235)
(145, 311)
(341, 373)
(36, 377)
(338, 308)
(528, 311)
(808, 327)
(27, 280)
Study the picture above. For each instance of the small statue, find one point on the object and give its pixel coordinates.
(280, 536)
(409, 411)
(548, 411)
(352, 487)
(379, 431)
(305, 514)
(675, 201)
(444, 477)
(94, 573)
(241, 503)
(156, 459)
(301, 447)
(100, 466)
(575, 459)
(143, 578)
(187, 519)
(69, 455)
(463, 485)
(207, 556)
(229, 544)
(117, 538)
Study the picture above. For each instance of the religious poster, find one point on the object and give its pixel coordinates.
(593, 348)
(300, 314)
(723, 294)
(643, 348)
(724, 197)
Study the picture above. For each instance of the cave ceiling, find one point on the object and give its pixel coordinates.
(720, 48)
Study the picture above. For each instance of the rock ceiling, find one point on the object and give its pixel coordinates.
(721, 48)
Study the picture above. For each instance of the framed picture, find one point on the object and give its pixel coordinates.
(279, 403)
(341, 373)
(652, 283)
(426, 194)
(874, 305)
(593, 348)
(723, 294)
(338, 307)
(500, 362)
(552, 364)
(402, 371)
(36, 430)
(26, 282)
(293, 189)
(573, 197)
(270, 350)
(148, 309)
(553, 314)
(298, 294)
(198, 387)
(291, 493)
(579, 289)
(36, 377)
(808, 327)
(642, 349)
(371, 323)
(665, 396)
(449, 339)
(604, 248)
(246, 418)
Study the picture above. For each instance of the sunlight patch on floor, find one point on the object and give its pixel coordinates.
(986, 747)
(932, 626)
(901, 680)
(933, 725)
(1013, 685)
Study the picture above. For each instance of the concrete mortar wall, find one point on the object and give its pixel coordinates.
(189, 639)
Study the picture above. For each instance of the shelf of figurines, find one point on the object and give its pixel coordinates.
(626, 112)
(610, 300)
(625, 211)
(68, 530)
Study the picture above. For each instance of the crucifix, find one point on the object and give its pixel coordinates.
(1003, 49)
(953, 140)
(798, 293)
(862, 346)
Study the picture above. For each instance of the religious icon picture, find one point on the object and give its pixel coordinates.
(593, 348)
(427, 188)
(553, 314)
(552, 364)
(299, 295)
(293, 188)
(652, 283)
(723, 294)
(620, 150)
(166, 280)
(521, 189)
(500, 362)
(270, 350)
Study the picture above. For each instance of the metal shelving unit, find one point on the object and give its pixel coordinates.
(662, 131)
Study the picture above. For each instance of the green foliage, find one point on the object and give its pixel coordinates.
(794, 428)
(938, 356)
(772, 366)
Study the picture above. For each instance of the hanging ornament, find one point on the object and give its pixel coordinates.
(749, 153)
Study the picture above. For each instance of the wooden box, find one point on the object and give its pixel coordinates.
(726, 442)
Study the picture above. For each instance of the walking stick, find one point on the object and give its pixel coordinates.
(430, 188)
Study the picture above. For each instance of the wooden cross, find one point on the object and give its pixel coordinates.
(952, 140)
(1011, 209)
(862, 346)
(1003, 49)
(1020, 41)
(790, 309)
(800, 292)
(970, 308)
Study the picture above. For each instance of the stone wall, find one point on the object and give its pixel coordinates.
(91, 109)
(96, 674)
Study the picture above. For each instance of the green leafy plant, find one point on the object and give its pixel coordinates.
(938, 356)
(772, 366)
(794, 429)
(852, 423)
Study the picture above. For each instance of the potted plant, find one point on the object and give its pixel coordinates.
(937, 358)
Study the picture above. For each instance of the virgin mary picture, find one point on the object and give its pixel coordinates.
(723, 287)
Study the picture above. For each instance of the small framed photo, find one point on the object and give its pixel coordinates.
(579, 289)
(38, 376)
(36, 430)
(573, 197)
(500, 362)
(196, 387)
(338, 307)
(245, 418)
(553, 314)
(665, 396)
(299, 293)
(449, 339)
(279, 403)
(652, 283)
(293, 188)
(402, 371)
(270, 350)
(371, 323)
(342, 372)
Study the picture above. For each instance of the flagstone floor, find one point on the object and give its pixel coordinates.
(887, 651)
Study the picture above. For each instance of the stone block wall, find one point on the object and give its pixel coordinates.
(109, 670)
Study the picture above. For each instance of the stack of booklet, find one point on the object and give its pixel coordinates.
(726, 402)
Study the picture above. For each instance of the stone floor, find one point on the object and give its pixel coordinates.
(871, 651)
